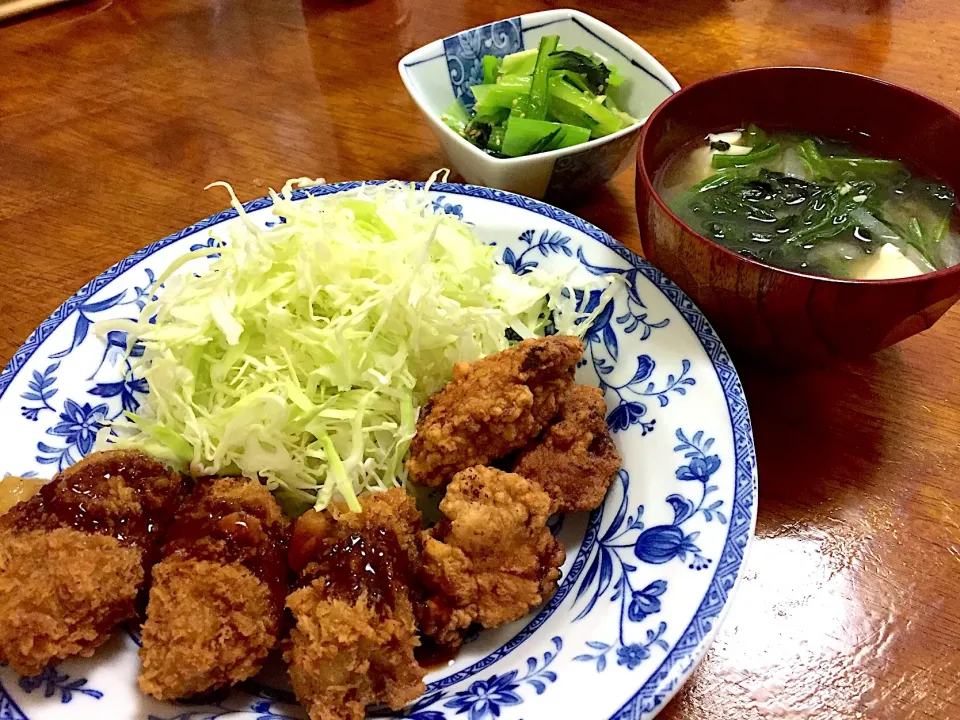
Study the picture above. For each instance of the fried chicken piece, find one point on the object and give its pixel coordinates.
(73, 557)
(492, 559)
(355, 633)
(574, 459)
(496, 405)
(216, 600)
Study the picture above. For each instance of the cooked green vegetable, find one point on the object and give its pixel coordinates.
(809, 153)
(754, 137)
(495, 141)
(753, 158)
(569, 114)
(456, 117)
(525, 136)
(478, 132)
(491, 66)
(607, 121)
(863, 168)
(805, 203)
(521, 63)
(594, 74)
(491, 98)
(568, 88)
(301, 356)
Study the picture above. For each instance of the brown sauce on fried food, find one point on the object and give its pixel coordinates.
(220, 530)
(368, 560)
(122, 494)
(431, 655)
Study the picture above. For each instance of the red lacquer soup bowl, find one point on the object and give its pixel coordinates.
(781, 315)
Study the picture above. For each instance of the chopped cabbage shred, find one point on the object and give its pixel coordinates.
(302, 352)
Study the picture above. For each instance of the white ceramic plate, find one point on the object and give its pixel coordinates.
(648, 575)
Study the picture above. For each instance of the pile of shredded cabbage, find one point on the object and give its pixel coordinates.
(302, 353)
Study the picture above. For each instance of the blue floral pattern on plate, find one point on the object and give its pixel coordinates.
(441, 205)
(657, 545)
(649, 572)
(486, 698)
(51, 681)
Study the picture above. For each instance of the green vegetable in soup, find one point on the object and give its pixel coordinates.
(809, 204)
(754, 137)
(810, 154)
(754, 158)
(572, 91)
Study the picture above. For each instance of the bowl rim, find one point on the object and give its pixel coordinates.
(626, 43)
(643, 175)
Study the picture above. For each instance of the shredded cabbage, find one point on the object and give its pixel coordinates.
(302, 354)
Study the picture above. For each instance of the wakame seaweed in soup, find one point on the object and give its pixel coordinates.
(809, 204)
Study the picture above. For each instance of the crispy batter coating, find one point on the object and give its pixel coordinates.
(76, 554)
(493, 559)
(355, 633)
(61, 593)
(216, 599)
(492, 407)
(209, 625)
(574, 459)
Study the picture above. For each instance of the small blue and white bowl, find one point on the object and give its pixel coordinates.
(445, 69)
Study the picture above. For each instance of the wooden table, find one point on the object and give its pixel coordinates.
(115, 114)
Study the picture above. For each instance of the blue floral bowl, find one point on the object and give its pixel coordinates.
(446, 69)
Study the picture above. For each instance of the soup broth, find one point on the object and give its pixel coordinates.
(811, 204)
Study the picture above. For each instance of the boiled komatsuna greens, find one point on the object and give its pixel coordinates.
(811, 204)
(539, 100)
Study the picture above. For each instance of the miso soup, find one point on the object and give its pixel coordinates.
(811, 204)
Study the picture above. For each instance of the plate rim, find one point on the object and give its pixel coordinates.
(694, 641)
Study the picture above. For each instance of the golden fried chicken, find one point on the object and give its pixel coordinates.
(492, 407)
(355, 633)
(73, 557)
(574, 459)
(492, 559)
(216, 600)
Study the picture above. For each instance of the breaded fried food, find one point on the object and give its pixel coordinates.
(73, 557)
(355, 633)
(61, 593)
(216, 600)
(492, 559)
(492, 407)
(574, 459)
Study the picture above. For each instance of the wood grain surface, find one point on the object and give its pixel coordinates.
(115, 113)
